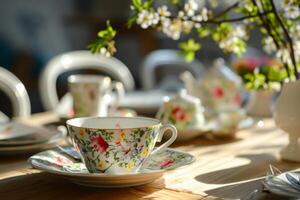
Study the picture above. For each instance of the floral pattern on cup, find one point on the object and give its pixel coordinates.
(115, 150)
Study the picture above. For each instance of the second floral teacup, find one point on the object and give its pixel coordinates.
(117, 145)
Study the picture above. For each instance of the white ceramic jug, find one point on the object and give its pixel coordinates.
(287, 117)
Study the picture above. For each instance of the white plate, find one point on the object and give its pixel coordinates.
(54, 162)
(38, 135)
(23, 149)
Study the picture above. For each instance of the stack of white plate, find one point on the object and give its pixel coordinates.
(19, 138)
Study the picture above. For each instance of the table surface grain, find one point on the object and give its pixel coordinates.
(224, 169)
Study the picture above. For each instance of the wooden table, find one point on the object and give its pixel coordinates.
(224, 169)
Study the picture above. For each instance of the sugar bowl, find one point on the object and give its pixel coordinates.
(185, 112)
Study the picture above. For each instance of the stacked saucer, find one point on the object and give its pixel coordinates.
(59, 163)
(19, 138)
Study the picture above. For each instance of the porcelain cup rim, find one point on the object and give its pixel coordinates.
(72, 122)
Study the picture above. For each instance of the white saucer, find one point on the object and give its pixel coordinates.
(54, 162)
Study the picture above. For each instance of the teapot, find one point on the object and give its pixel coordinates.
(185, 112)
(219, 90)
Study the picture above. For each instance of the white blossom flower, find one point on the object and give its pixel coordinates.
(190, 7)
(269, 46)
(155, 18)
(163, 11)
(181, 14)
(107, 54)
(204, 14)
(229, 43)
(295, 32)
(173, 29)
(187, 26)
(297, 50)
(103, 51)
(165, 22)
(292, 11)
(284, 55)
(146, 19)
(239, 31)
(197, 25)
(197, 18)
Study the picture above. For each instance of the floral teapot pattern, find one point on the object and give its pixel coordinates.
(183, 111)
(219, 90)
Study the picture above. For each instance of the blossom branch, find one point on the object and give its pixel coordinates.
(276, 36)
(236, 4)
(269, 31)
(289, 39)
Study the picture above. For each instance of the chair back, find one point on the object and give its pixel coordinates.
(77, 60)
(166, 58)
(16, 92)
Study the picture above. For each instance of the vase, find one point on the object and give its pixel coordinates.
(260, 103)
(287, 117)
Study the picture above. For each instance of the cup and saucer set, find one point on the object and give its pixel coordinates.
(113, 152)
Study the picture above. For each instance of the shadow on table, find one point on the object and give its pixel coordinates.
(43, 186)
(242, 171)
(242, 191)
(206, 141)
(247, 171)
(235, 177)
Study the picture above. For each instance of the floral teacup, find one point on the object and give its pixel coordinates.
(117, 145)
(89, 94)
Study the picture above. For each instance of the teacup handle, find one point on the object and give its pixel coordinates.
(162, 131)
(118, 86)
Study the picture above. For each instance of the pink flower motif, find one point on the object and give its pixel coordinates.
(60, 161)
(218, 92)
(166, 163)
(71, 112)
(77, 148)
(99, 144)
(127, 150)
(238, 99)
(178, 113)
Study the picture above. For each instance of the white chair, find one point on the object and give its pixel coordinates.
(16, 91)
(76, 60)
(166, 57)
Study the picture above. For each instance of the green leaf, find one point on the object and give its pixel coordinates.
(131, 21)
(148, 4)
(203, 32)
(190, 45)
(137, 3)
(175, 1)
